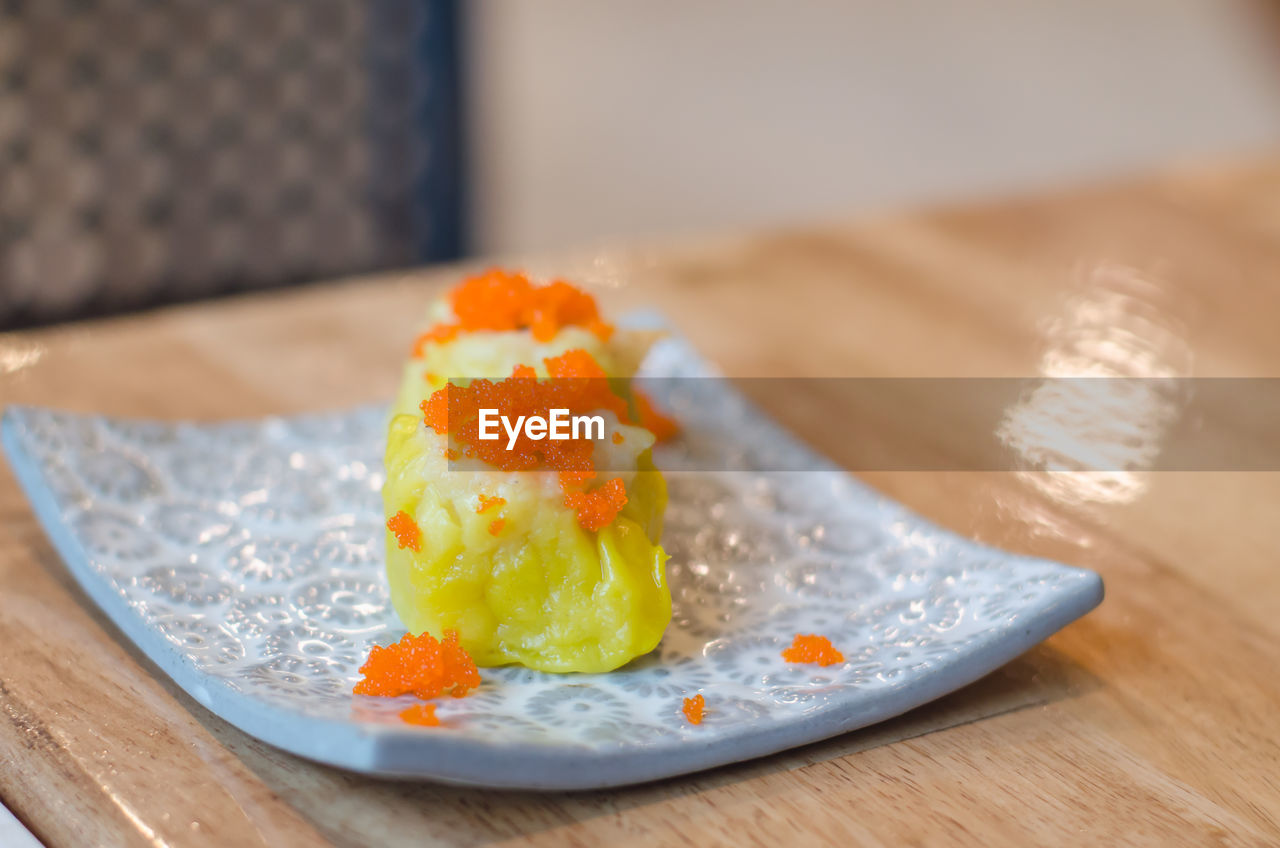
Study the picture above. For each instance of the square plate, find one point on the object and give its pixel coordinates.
(245, 559)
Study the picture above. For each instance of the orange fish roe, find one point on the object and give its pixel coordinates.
(617, 437)
(496, 525)
(506, 300)
(423, 715)
(580, 370)
(598, 507)
(486, 502)
(693, 708)
(408, 535)
(421, 665)
(577, 384)
(438, 334)
(662, 427)
(812, 649)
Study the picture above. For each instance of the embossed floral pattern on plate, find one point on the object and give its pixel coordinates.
(245, 559)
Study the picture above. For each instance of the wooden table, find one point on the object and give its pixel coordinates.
(1154, 720)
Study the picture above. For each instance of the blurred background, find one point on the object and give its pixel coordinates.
(158, 151)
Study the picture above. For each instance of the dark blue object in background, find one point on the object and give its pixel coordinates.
(422, 84)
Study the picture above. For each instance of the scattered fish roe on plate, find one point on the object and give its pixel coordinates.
(420, 665)
(693, 708)
(423, 715)
(812, 649)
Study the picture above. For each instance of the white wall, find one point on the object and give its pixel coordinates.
(599, 119)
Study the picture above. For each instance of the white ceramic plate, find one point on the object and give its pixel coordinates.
(245, 559)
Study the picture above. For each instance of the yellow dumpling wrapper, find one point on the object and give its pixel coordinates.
(542, 591)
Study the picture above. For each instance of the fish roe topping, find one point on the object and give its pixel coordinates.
(693, 708)
(487, 502)
(812, 649)
(423, 715)
(439, 334)
(495, 526)
(420, 665)
(499, 300)
(617, 437)
(577, 384)
(406, 530)
(663, 427)
(598, 507)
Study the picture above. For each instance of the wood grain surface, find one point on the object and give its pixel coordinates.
(1155, 720)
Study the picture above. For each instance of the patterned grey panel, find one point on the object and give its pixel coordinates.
(155, 151)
